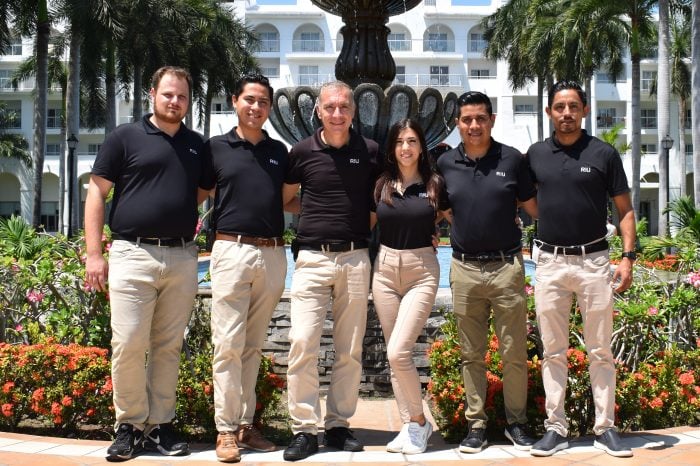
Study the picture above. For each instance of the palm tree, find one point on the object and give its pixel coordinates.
(681, 82)
(663, 100)
(57, 77)
(12, 145)
(695, 112)
(507, 34)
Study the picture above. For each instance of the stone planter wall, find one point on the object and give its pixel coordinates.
(375, 371)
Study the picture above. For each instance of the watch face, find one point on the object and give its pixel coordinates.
(630, 255)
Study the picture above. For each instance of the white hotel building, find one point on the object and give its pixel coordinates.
(437, 44)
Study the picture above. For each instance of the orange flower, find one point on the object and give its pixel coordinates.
(686, 378)
(7, 410)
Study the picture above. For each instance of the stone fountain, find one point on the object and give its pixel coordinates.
(366, 64)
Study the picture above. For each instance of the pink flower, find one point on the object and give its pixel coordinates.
(199, 227)
(653, 311)
(19, 327)
(693, 279)
(34, 296)
(529, 290)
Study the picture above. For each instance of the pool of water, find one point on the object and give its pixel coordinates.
(444, 255)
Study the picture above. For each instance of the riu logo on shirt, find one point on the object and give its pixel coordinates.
(423, 195)
(501, 174)
(193, 151)
(274, 162)
(354, 161)
(585, 169)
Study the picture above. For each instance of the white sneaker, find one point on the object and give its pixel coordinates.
(396, 445)
(417, 438)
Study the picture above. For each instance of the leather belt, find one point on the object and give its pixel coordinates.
(572, 250)
(334, 247)
(160, 242)
(252, 240)
(490, 256)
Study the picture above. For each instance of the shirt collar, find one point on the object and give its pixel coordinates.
(493, 151)
(234, 139)
(556, 146)
(150, 128)
(318, 144)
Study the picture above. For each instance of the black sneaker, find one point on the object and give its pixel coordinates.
(549, 444)
(341, 438)
(161, 438)
(474, 442)
(517, 434)
(302, 446)
(126, 444)
(610, 442)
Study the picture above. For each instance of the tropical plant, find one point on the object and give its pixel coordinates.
(12, 145)
(695, 99)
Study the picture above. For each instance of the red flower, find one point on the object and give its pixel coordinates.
(56, 409)
(7, 409)
(67, 401)
(8, 387)
(686, 378)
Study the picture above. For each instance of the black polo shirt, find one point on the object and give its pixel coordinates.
(573, 185)
(408, 223)
(155, 179)
(483, 196)
(336, 186)
(248, 180)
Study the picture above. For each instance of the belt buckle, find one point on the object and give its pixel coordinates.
(573, 248)
(483, 257)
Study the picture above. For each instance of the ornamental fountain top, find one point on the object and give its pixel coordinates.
(366, 64)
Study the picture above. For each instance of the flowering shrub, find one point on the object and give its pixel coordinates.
(43, 292)
(60, 385)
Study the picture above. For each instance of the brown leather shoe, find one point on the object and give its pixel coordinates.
(226, 448)
(248, 436)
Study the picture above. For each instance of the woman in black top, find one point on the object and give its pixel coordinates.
(406, 270)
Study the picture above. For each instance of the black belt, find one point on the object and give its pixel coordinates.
(333, 247)
(162, 242)
(490, 256)
(572, 250)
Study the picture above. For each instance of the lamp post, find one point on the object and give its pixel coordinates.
(72, 144)
(667, 144)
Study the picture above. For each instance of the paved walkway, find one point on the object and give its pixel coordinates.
(375, 423)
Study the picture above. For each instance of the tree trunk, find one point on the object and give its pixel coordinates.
(682, 106)
(73, 121)
(138, 92)
(110, 90)
(588, 86)
(207, 113)
(695, 112)
(636, 134)
(540, 110)
(40, 107)
(663, 102)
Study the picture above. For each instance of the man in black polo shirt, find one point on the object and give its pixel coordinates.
(248, 261)
(154, 166)
(576, 174)
(485, 181)
(336, 169)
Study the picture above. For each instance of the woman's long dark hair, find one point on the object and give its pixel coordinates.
(384, 189)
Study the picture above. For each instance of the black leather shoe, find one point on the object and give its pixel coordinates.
(517, 434)
(549, 444)
(611, 443)
(302, 446)
(341, 438)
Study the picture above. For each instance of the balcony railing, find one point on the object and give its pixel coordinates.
(269, 45)
(438, 45)
(477, 46)
(403, 45)
(308, 46)
(430, 80)
(608, 121)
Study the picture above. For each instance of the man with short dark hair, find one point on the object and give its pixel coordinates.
(485, 181)
(154, 166)
(248, 261)
(336, 168)
(576, 174)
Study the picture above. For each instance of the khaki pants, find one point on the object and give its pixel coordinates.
(152, 292)
(557, 279)
(318, 277)
(477, 289)
(247, 283)
(404, 286)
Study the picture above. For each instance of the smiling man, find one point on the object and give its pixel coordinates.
(336, 168)
(248, 261)
(155, 168)
(576, 175)
(485, 180)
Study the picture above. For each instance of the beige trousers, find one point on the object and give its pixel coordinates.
(558, 277)
(152, 292)
(403, 288)
(478, 288)
(247, 283)
(319, 278)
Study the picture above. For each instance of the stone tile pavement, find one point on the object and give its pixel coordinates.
(375, 423)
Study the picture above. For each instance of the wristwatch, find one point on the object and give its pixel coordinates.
(631, 255)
